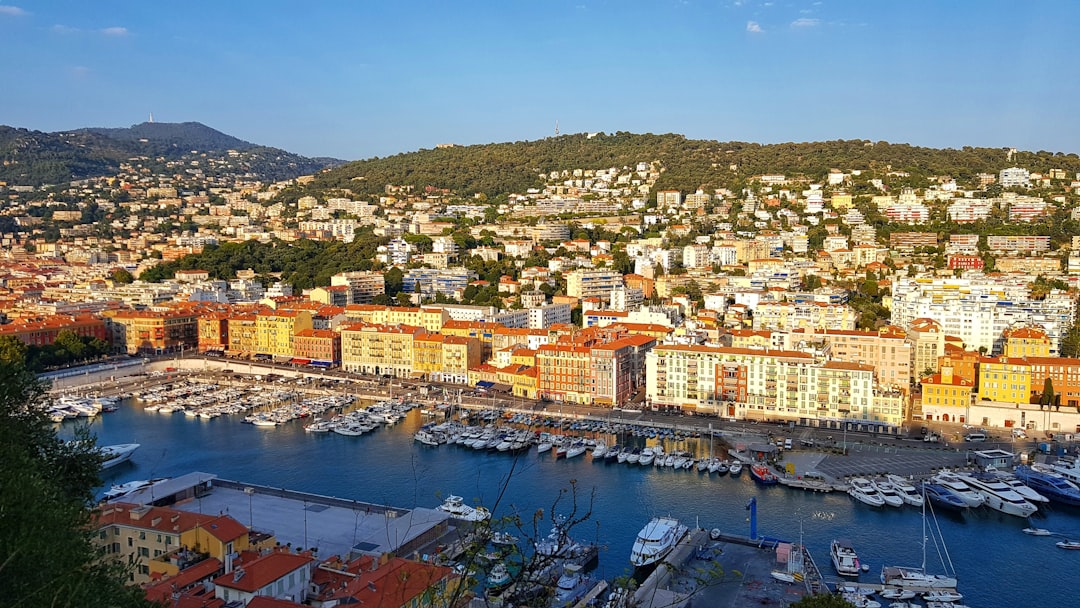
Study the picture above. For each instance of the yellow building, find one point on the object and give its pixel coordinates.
(841, 200)
(243, 334)
(152, 538)
(459, 354)
(749, 338)
(1005, 379)
(275, 331)
(945, 397)
(1026, 342)
(428, 355)
(431, 319)
(381, 350)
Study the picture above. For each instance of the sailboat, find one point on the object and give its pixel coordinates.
(902, 576)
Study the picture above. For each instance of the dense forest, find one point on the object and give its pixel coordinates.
(495, 169)
(34, 158)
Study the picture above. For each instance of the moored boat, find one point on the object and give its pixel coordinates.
(656, 540)
(844, 558)
(113, 455)
(456, 507)
(762, 474)
(863, 490)
(735, 469)
(1000, 497)
(908, 492)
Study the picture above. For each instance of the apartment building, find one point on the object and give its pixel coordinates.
(319, 347)
(788, 316)
(979, 310)
(431, 319)
(1026, 342)
(1005, 379)
(886, 350)
(585, 283)
(908, 241)
(159, 540)
(276, 330)
(243, 334)
(42, 331)
(945, 396)
(153, 332)
(1027, 243)
(763, 384)
(380, 350)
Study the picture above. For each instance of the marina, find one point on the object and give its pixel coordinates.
(403, 470)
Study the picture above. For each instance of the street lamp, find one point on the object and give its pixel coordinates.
(845, 413)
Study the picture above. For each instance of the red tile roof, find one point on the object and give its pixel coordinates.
(264, 570)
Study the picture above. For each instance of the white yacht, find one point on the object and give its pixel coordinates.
(909, 493)
(888, 493)
(115, 454)
(647, 457)
(863, 490)
(1022, 489)
(956, 485)
(575, 449)
(599, 450)
(656, 540)
(457, 508)
(999, 496)
(844, 558)
(123, 489)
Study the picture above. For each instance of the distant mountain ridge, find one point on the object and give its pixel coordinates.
(35, 157)
(185, 135)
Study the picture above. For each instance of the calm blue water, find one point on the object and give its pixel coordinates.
(997, 565)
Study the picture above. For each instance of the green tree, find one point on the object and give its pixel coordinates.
(70, 342)
(47, 553)
(812, 282)
(393, 280)
(12, 349)
(122, 276)
(1047, 397)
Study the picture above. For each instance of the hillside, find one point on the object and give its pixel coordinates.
(501, 168)
(35, 157)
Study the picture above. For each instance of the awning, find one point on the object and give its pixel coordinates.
(485, 384)
(321, 363)
(300, 361)
(506, 388)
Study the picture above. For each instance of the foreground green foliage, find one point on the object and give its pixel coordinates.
(47, 557)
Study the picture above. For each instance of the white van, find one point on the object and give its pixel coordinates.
(1019, 434)
(975, 437)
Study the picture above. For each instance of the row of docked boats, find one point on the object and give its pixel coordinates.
(957, 491)
(363, 420)
(70, 406)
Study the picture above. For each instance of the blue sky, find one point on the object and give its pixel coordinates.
(372, 78)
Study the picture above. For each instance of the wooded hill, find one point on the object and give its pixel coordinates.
(34, 158)
(494, 169)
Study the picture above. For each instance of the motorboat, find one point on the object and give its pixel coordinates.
(498, 577)
(721, 467)
(783, 576)
(1000, 497)
(634, 456)
(763, 475)
(647, 456)
(426, 437)
(120, 490)
(113, 455)
(863, 490)
(735, 469)
(888, 493)
(599, 450)
(942, 498)
(860, 601)
(844, 558)
(656, 540)
(455, 506)
(898, 594)
(503, 538)
(1037, 531)
(1071, 545)
(613, 453)
(1050, 484)
(571, 586)
(575, 449)
(956, 484)
(943, 595)
(908, 492)
(1017, 486)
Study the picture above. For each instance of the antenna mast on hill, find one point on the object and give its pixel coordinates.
(151, 117)
(556, 127)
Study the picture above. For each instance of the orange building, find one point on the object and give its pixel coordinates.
(319, 347)
(42, 331)
(153, 332)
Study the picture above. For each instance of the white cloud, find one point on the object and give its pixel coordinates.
(64, 29)
(806, 22)
(115, 31)
(11, 11)
(753, 27)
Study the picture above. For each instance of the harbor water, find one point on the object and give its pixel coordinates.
(997, 565)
